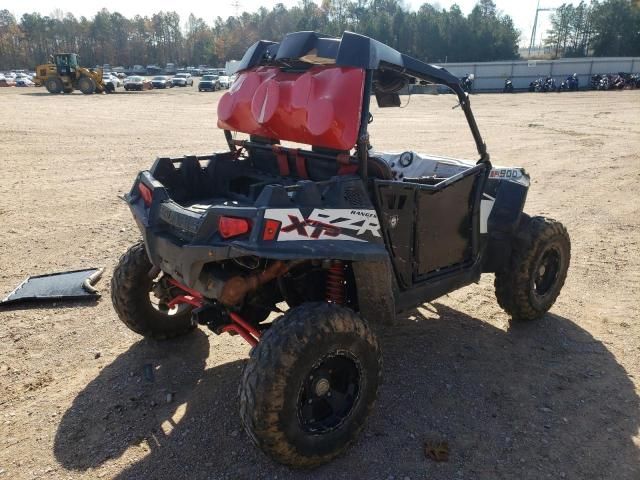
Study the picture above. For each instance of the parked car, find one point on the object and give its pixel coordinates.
(153, 70)
(224, 81)
(161, 81)
(136, 82)
(182, 80)
(24, 82)
(209, 83)
(111, 79)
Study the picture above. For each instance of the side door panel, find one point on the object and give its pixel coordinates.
(431, 230)
(443, 226)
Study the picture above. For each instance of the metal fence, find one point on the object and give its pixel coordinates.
(490, 76)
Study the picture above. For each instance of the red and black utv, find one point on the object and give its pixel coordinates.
(344, 235)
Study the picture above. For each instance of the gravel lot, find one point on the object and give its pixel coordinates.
(83, 397)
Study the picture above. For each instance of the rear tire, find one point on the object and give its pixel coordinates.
(310, 384)
(86, 85)
(131, 287)
(54, 85)
(540, 258)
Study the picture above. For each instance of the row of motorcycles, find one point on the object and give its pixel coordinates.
(572, 83)
(614, 82)
(548, 84)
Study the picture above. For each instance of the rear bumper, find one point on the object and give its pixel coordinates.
(181, 241)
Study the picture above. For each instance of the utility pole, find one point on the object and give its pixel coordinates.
(236, 7)
(532, 42)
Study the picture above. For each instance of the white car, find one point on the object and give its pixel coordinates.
(224, 81)
(117, 79)
(112, 79)
(182, 80)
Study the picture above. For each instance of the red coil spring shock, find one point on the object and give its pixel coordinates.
(335, 283)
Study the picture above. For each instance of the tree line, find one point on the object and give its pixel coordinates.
(609, 28)
(430, 33)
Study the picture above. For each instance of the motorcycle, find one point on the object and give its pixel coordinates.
(549, 85)
(618, 82)
(594, 83)
(508, 86)
(537, 85)
(571, 84)
(467, 82)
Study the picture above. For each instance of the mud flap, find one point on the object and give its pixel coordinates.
(374, 283)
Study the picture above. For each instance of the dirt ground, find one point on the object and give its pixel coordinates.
(83, 397)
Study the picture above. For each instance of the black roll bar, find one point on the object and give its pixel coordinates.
(363, 134)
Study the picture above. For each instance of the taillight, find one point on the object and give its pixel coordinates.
(270, 229)
(146, 194)
(232, 226)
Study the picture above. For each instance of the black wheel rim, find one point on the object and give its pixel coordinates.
(329, 393)
(545, 275)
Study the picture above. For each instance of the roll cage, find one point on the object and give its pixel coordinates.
(386, 72)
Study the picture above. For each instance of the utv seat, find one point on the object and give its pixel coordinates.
(274, 159)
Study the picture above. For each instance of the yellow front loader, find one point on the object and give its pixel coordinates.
(64, 74)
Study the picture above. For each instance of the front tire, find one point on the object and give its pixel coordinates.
(131, 294)
(54, 85)
(540, 258)
(310, 384)
(87, 85)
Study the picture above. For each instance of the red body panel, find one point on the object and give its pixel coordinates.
(319, 107)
